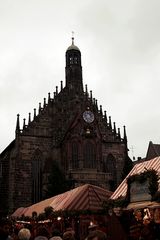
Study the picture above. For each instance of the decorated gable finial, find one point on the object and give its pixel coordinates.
(18, 124)
(29, 118)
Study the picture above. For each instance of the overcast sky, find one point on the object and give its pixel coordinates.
(120, 46)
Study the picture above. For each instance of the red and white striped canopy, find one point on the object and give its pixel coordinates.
(85, 197)
(138, 168)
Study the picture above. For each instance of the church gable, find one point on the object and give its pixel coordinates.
(69, 129)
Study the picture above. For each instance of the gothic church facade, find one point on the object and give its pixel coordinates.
(69, 129)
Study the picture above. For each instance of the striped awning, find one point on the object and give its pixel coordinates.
(85, 197)
(153, 164)
(19, 212)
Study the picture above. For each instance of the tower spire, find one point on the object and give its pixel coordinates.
(17, 125)
(29, 118)
(61, 85)
(34, 113)
(101, 112)
(125, 135)
(91, 95)
(114, 127)
(105, 116)
(119, 133)
(24, 123)
(110, 122)
(49, 97)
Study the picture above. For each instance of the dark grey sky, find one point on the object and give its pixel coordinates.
(120, 46)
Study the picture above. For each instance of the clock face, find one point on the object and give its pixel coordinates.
(88, 116)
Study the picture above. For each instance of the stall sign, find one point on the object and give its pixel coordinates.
(139, 191)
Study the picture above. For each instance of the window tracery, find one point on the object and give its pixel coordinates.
(37, 177)
(89, 155)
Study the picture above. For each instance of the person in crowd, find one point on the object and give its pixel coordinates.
(92, 228)
(42, 234)
(97, 235)
(147, 232)
(24, 234)
(156, 222)
(56, 235)
(69, 235)
(136, 225)
(101, 226)
(5, 229)
(156, 227)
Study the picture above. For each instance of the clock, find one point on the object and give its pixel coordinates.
(88, 116)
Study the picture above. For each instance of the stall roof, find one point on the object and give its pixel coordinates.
(153, 164)
(85, 197)
(144, 204)
(19, 212)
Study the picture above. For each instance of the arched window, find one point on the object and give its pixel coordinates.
(75, 152)
(110, 167)
(89, 155)
(109, 164)
(71, 60)
(75, 60)
(37, 177)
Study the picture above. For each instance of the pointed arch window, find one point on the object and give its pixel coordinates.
(110, 164)
(75, 153)
(89, 155)
(110, 167)
(37, 177)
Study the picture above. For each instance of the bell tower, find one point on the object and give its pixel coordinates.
(73, 69)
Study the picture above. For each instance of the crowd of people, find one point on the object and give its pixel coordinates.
(138, 225)
(143, 226)
(42, 232)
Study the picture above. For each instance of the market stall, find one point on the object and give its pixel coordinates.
(85, 197)
(79, 206)
(139, 196)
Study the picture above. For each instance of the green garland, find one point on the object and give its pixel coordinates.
(152, 177)
(64, 214)
(119, 202)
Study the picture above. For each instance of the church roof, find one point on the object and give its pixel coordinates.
(153, 150)
(73, 47)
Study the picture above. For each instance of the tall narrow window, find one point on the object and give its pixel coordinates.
(75, 60)
(89, 155)
(71, 60)
(74, 155)
(110, 167)
(37, 177)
